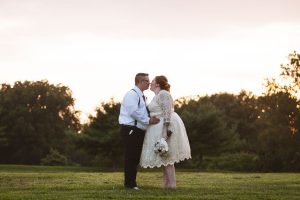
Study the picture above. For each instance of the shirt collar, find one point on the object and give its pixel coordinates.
(138, 90)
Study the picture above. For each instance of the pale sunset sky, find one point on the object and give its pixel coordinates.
(96, 47)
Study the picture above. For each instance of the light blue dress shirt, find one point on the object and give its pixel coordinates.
(132, 110)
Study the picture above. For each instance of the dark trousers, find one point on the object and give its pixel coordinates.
(133, 139)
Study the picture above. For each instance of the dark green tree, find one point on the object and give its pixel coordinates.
(207, 129)
(280, 114)
(34, 117)
(101, 137)
(278, 138)
(241, 112)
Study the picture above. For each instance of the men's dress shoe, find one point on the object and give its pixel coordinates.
(132, 187)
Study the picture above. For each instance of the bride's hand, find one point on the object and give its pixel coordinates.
(165, 135)
(165, 131)
(153, 120)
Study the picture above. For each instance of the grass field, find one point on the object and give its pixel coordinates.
(38, 182)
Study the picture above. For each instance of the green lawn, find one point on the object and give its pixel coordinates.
(37, 182)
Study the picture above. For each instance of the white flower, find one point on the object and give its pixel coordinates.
(161, 146)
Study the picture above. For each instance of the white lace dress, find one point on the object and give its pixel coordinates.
(179, 148)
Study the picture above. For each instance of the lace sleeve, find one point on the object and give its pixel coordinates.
(165, 101)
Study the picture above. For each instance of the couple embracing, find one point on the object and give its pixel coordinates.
(153, 135)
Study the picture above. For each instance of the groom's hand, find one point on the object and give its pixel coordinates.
(153, 120)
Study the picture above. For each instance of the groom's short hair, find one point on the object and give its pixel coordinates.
(139, 77)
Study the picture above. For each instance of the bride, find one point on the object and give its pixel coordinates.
(171, 128)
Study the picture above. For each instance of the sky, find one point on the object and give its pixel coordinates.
(95, 47)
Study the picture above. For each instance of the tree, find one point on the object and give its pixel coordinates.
(278, 138)
(280, 113)
(208, 132)
(34, 117)
(241, 112)
(290, 74)
(101, 137)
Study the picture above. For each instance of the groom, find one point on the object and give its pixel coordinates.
(134, 119)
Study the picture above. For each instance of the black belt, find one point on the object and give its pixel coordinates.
(131, 127)
(128, 126)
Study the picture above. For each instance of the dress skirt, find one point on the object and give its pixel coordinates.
(179, 147)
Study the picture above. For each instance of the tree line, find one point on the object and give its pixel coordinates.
(242, 132)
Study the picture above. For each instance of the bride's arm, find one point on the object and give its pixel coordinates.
(165, 102)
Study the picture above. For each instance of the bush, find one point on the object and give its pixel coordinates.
(241, 161)
(54, 158)
(80, 157)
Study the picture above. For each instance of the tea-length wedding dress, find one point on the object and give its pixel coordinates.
(179, 148)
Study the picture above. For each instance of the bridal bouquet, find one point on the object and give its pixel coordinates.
(161, 146)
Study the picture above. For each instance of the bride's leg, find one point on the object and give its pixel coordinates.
(171, 176)
(165, 180)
